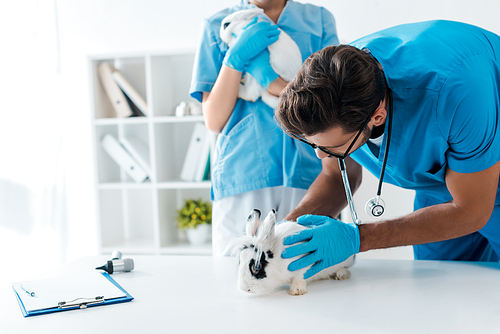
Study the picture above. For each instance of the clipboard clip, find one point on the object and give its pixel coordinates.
(81, 302)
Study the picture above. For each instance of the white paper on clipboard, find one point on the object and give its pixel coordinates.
(49, 292)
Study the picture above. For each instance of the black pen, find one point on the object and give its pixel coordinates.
(32, 294)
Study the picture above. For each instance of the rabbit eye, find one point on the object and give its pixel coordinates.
(254, 272)
(226, 24)
(261, 273)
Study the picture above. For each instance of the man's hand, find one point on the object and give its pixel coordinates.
(328, 242)
(251, 41)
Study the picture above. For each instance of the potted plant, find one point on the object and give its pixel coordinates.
(195, 217)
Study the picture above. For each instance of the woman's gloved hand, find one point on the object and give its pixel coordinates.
(251, 41)
(260, 68)
(328, 241)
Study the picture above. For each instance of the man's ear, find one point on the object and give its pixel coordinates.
(380, 115)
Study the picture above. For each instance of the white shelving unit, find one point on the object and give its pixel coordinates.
(139, 218)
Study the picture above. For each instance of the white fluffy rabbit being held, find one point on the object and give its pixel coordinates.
(263, 243)
(284, 55)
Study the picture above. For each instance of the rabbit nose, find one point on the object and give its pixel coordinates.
(243, 287)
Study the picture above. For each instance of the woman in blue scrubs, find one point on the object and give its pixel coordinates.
(256, 165)
(444, 79)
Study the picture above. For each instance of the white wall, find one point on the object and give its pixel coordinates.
(105, 26)
(357, 18)
(32, 199)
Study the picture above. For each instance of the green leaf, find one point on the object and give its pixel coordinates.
(199, 209)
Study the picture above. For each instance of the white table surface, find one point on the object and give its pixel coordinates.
(197, 294)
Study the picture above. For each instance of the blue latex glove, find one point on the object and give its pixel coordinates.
(328, 241)
(251, 41)
(260, 68)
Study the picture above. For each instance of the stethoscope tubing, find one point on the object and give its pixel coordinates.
(387, 144)
(348, 193)
(345, 178)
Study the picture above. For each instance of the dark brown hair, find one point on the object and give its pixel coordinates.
(338, 86)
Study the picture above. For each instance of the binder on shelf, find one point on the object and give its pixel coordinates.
(203, 166)
(196, 154)
(68, 293)
(135, 111)
(123, 158)
(130, 92)
(115, 94)
(138, 150)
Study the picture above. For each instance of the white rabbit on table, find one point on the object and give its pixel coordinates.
(266, 240)
(284, 56)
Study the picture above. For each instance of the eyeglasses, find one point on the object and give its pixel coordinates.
(330, 153)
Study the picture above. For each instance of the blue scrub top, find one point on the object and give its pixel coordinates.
(445, 79)
(252, 152)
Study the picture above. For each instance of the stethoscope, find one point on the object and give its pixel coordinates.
(375, 207)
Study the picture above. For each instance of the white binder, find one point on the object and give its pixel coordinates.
(194, 151)
(138, 150)
(203, 165)
(115, 94)
(123, 158)
(132, 94)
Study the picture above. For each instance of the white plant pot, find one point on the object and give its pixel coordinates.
(198, 235)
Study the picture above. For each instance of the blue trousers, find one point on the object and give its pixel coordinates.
(483, 245)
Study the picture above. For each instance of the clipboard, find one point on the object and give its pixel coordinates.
(68, 293)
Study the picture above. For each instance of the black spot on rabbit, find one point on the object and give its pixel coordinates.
(261, 273)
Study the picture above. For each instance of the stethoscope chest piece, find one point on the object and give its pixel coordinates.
(375, 207)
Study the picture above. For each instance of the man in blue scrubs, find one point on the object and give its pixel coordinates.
(444, 79)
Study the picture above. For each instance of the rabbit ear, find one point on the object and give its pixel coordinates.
(253, 223)
(266, 232)
(232, 24)
(239, 19)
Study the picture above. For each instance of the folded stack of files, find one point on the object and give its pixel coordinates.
(130, 154)
(196, 165)
(126, 101)
(68, 293)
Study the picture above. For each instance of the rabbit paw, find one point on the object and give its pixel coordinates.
(341, 274)
(250, 89)
(298, 288)
(269, 99)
